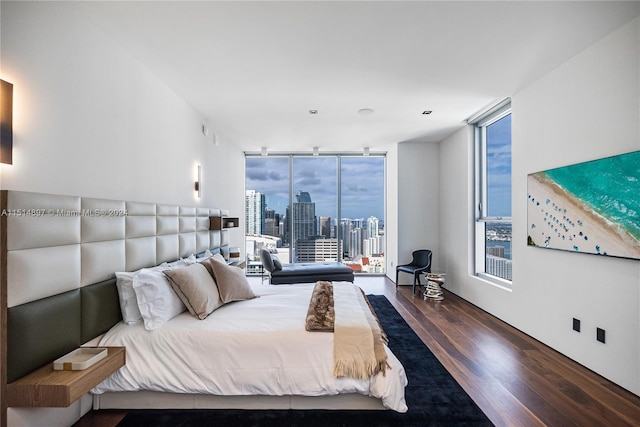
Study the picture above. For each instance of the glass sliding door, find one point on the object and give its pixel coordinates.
(307, 208)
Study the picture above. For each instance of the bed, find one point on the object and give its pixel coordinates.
(59, 292)
(253, 347)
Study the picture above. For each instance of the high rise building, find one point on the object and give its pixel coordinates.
(345, 233)
(358, 223)
(304, 217)
(373, 224)
(325, 226)
(355, 243)
(271, 222)
(495, 251)
(312, 250)
(255, 204)
(497, 266)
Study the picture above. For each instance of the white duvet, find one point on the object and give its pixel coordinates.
(254, 347)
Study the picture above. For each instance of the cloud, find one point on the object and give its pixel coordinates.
(309, 181)
(276, 176)
(257, 175)
(356, 188)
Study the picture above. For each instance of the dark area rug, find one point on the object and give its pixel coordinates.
(434, 398)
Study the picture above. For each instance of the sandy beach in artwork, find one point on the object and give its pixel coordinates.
(556, 219)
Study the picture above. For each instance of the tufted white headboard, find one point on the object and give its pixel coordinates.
(60, 254)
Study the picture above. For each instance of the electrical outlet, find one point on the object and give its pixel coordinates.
(576, 324)
(600, 335)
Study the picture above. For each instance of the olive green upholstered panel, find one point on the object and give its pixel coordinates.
(41, 331)
(100, 309)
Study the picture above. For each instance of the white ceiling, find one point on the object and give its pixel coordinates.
(253, 70)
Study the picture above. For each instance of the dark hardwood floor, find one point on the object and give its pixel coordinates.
(516, 380)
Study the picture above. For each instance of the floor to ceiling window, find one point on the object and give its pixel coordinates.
(307, 208)
(362, 207)
(493, 194)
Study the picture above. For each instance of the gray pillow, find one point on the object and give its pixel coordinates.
(232, 283)
(196, 288)
(267, 261)
(277, 265)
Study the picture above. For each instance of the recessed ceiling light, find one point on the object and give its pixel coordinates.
(427, 112)
(313, 111)
(365, 111)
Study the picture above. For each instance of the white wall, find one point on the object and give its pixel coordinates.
(418, 213)
(587, 108)
(90, 120)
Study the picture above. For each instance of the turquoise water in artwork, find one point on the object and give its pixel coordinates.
(610, 186)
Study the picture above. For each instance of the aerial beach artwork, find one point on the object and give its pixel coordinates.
(591, 207)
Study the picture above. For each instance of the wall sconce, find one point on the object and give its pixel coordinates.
(198, 187)
(6, 122)
(263, 151)
(365, 152)
(316, 151)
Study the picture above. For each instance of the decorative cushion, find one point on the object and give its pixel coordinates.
(208, 265)
(196, 288)
(157, 300)
(277, 265)
(231, 281)
(267, 260)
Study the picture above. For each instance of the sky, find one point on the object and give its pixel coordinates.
(499, 167)
(363, 179)
(362, 183)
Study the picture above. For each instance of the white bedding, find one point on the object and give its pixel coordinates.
(254, 347)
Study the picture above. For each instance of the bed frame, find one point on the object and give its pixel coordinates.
(58, 257)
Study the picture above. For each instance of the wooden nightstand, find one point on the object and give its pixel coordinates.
(46, 387)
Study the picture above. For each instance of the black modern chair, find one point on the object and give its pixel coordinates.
(421, 263)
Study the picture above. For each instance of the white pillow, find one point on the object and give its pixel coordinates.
(128, 302)
(183, 262)
(157, 300)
